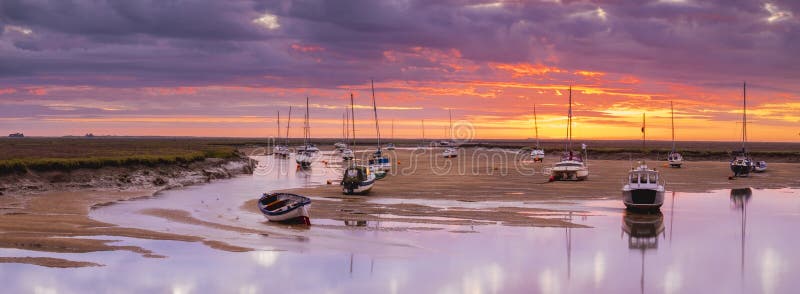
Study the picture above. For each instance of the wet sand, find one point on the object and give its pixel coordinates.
(493, 175)
(59, 222)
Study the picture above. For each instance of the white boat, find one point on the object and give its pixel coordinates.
(305, 154)
(379, 163)
(348, 154)
(285, 207)
(339, 146)
(742, 164)
(674, 158)
(571, 167)
(643, 190)
(450, 152)
(310, 148)
(280, 150)
(760, 166)
(537, 154)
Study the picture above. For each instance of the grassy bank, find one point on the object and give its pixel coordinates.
(63, 154)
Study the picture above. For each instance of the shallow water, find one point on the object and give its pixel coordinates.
(701, 242)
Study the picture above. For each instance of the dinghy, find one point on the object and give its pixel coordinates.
(285, 207)
(760, 166)
(643, 190)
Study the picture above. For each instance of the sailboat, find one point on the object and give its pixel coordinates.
(571, 166)
(391, 146)
(450, 151)
(674, 158)
(643, 189)
(280, 150)
(379, 163)
(422, 144)
(537, 153)
(742, 164)
(341, 145)
(357, 179)
(305, 154)
(347, 153)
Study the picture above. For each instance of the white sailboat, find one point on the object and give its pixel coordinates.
(282, 150)
(305, 155)
(341, 145)
(742, 164)
(379, 163)
(279, 149)
(356, 179)
(674, 158)
(571, 166)
(346, 152)
(537, 154)
(450, 151)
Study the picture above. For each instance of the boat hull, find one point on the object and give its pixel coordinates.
(361, 188)
(297, 209)
(741, 170)
(643, 199)
(569, 173)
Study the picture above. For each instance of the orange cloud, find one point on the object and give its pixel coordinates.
(525, 69)
(7, 91)
(590, 74)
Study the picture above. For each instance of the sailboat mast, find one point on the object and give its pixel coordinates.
(392, 129)
(536, 126)
(353, 120)
(423, 131)
(744, 115)
(279, 126)
(307, 130)
(569, 121)
(375, 111)
(450, 129)
(644, 136)
(288, 123)
(672, 112)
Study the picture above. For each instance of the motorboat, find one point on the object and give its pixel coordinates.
(285, 207)
(537, 155)
(643, 189)
(390, 146)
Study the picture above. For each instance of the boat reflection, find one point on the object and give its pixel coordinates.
(643, 231)
(355, 223)
(739, 200)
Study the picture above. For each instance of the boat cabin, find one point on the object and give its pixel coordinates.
(570, 159)
(643, 176)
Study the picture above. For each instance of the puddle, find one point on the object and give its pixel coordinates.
(719, 242)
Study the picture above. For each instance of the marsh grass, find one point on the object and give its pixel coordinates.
(64, 154)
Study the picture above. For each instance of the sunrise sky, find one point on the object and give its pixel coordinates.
(224, 68)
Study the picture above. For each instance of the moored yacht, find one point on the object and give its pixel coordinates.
(379, 163)
(571, 167)
(305, 154)
(356, 179)
(537, 154)
(742, 164)
(674, 158)
(450, 152)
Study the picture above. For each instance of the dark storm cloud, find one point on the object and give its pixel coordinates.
(155, 43)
